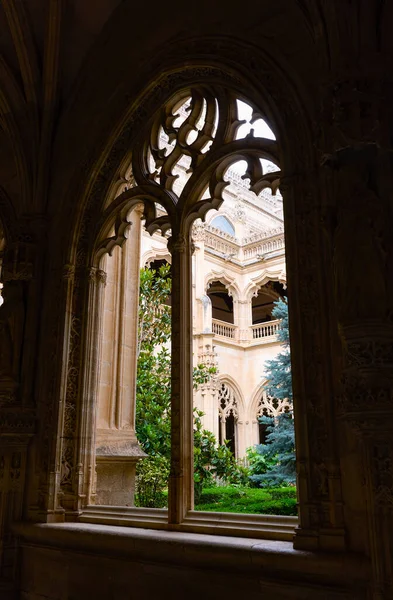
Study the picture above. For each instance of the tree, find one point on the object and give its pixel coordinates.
(153, 400)
(279, 451)
(212, 461)
(153, 391)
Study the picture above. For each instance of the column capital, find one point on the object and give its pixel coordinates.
(178, 244)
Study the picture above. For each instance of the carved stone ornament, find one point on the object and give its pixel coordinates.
(239, 213)
(382, 462)
(198, 231)
(227, 403)
(18, 261)
(17, 421)
(68, 272)
(271, 407)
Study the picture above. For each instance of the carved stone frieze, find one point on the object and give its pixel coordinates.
(17, 421)
(367, 354)
(382, 465)
(18, 261)
(354, 106)
(198, 232)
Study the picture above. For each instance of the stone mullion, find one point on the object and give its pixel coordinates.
(89, 384)
(132, 280)
(115, 349)
(120, 308)
(181, 476)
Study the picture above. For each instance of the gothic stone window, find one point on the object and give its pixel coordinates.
(228, 416)
(177, 174)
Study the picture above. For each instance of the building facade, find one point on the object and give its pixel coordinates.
(238, 271)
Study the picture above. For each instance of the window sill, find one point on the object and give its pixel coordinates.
(268, 527)
(275, 560)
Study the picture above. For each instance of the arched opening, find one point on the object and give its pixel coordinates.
(223, 224)
(159, 266)
(152, 399)
(222, 302)
(134, 392)
(263, 302)
(262, 427)
(228, 415)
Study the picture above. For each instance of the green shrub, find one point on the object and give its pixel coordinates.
(283, 492)
(151, 482)
(276, 501)
(213, 461)
(258, 464)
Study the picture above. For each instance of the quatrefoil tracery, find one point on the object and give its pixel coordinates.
(227, 403)
(197, 132)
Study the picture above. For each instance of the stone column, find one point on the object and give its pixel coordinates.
(198, 238)
(181, 475)
(240, 439)
(205, 397)
(363, 269)
(243, 319)
(17, 273)
(17, 414)
(313, 350)
(117, 448)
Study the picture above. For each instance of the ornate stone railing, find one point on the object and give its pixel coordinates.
(229, 246)
(265, 330)
(221, 242)
(262, 247)
(223, 329)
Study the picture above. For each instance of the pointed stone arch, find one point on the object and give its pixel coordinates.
(156, 254)
(271, 274)
(226, 279)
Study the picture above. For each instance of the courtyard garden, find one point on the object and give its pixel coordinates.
(242, 499)
(262, 483)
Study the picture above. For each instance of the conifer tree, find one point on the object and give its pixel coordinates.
(279, 449)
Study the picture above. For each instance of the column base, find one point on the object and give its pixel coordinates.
(328, 540)
(116, 467)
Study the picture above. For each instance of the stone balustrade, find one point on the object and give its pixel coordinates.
(265, 330)
(253, 248)
(223, 329)
(221, 242)
(260, 333)
(261, 247)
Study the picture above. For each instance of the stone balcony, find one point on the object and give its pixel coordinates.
(255, 335)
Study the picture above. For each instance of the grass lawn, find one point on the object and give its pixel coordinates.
(267, 501)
